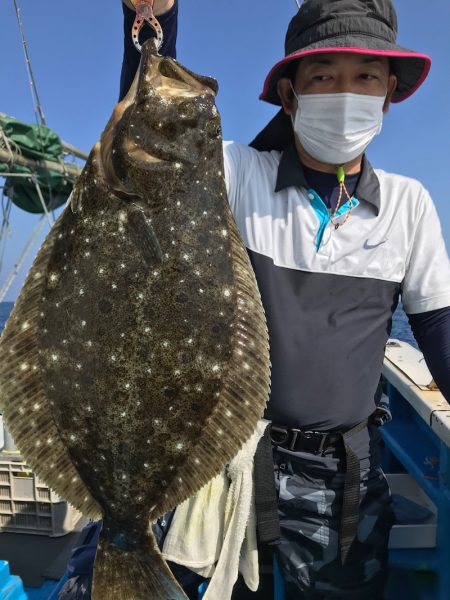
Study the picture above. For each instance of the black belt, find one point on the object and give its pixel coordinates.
(297, 440)
(318, 442)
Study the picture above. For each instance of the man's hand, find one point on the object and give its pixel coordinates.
(159, 6)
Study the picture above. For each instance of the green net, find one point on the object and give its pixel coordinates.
(35, 142)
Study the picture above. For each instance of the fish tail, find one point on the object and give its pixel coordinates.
(140, 574)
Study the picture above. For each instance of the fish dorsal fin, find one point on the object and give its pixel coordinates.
(25, 406)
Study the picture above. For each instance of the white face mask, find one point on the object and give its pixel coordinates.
(336, 128)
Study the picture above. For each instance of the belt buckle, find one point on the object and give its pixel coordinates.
(283, 430)
(310, 434)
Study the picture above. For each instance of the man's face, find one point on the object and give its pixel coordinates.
(336, 73)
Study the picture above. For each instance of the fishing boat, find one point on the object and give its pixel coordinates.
(39, 530)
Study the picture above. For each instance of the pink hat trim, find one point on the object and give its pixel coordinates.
(392, 53)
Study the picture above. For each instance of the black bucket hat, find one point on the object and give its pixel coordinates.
(355, 26)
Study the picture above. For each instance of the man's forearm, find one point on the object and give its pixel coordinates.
(432, 332)
(159, 6)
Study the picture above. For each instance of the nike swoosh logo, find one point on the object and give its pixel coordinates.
(368, 246)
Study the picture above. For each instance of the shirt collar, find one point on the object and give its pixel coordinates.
(291, 174)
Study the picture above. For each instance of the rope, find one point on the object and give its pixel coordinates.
(5, 230)
(29, 245)
(9, 145)
(33, 87)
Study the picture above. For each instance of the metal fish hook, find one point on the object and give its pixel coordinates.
(144, 14)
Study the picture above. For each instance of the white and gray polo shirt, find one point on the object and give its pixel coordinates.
(329, 294)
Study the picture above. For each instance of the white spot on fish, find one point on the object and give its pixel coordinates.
(23, 367)
(114, 286)
(83, 323)
(81, 292)
(179, 446)
(72, 437)
(141, 296)
(226, 293)
(55, 357)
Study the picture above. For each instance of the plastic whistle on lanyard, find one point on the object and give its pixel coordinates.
(144, 14)
(340, 174)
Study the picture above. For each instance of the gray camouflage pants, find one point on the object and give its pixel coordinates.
(310, 492)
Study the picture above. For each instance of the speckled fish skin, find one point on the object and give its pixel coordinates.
(135, 363)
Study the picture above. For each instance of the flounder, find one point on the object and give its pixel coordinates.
(135, 362)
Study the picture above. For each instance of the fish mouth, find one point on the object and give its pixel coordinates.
(166, 103)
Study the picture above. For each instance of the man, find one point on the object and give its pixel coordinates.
(333, 244)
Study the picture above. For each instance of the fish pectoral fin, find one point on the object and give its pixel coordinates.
(142, 233)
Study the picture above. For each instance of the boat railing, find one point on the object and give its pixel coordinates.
(417, 462)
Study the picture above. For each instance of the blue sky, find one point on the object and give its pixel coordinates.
(76, 50)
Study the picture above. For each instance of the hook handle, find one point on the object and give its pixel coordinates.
(144, 14)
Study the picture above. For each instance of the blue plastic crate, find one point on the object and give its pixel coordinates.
(11, 587)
